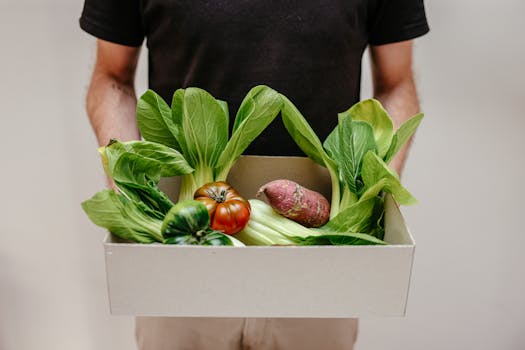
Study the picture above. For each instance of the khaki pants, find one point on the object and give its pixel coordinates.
(171, 333)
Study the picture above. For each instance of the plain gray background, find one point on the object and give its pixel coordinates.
(466, 167)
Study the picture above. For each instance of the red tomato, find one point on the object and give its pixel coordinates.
(229, 212)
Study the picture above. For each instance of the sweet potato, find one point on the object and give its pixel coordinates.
(300, 204)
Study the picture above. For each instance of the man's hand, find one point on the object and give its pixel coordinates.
(394, 86)
(111, 100)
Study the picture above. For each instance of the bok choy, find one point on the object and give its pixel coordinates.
(137, 211)
(266, 227)
(356, 154)
(190, 139)
(196, 125)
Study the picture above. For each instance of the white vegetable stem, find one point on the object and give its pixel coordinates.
(191, 182)
(266, 227)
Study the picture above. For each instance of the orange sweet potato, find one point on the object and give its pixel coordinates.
(300, 204)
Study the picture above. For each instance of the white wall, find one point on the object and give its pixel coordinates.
(52, 286)
(466, 168)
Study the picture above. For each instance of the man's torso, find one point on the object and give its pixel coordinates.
(308, 50)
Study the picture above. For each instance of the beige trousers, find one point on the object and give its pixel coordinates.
(173, 333)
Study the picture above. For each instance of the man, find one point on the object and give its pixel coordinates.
(310, 51)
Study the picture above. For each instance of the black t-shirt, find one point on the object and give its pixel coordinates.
(308, 50)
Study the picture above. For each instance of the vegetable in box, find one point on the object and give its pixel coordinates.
(191, 139)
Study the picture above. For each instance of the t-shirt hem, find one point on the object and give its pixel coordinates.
(408, 34)
(104, 33)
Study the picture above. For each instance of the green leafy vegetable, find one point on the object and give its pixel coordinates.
(137, 166)
(378, 177)
(304, 136)
(258, 109)
(355, 154)
(169, 161)
(135, 213)
(372, 112)
(124, 218)
(205, 128)
(355, 218)
(266, 227)
(339, 239)
(405, 131)
(302, 133)
(199, 124)
(177, 104)
(190, 138)
(355, 139)
(155, 121)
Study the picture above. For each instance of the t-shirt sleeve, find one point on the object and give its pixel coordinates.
(397, 20)
(117, 21)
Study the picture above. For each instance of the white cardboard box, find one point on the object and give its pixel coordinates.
(320, 281)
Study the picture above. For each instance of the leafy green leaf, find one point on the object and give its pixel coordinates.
(355, 139)
(377, 218)
(111, 153)
(132, 168)
(339, 239)
(205, 128)
(332, 145)
(224, 106)
(261, 103)
(177, 110)
(258, 109)
(348, 197)
(170, 161)
(110, 156)
(378, 177)
(137, 166)
(247, 107)
(355, 218)
(122, 217)
(405, 131)
(302, 133)
(138, 180)
(142, 161)
(372, 111)
(155, 121)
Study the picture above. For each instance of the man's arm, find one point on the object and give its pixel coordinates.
(111, 100)
(394, 86)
